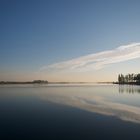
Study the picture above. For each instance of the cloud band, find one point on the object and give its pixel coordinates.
(98, 60)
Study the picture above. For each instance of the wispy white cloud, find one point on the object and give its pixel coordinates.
(98, 60)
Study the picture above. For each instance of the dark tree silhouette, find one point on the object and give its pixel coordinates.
(129, 79)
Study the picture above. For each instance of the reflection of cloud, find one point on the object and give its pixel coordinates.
(93, 102)
(98, 60)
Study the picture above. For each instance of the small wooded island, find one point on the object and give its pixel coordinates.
(29, 82)
(132, 79)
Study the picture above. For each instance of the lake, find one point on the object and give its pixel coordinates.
(69, 111)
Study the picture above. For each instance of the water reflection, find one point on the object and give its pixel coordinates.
(131, 89)
(99, 99)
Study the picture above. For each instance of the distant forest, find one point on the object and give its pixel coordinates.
(129, 79)
(29, 82)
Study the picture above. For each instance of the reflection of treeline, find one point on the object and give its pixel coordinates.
(129, 79)
(29, 82)
(129, 89)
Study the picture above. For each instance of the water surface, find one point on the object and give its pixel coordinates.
(82, 111)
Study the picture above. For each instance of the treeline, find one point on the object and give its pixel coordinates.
(129, 79)
(29, 82)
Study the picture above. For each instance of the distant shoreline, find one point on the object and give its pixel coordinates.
(127, 83)
(46, 82)
(28, 82)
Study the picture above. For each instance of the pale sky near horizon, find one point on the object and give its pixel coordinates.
(69, 40)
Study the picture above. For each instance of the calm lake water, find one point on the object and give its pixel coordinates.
(76, 112)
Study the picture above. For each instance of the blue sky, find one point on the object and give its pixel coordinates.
(38, 33)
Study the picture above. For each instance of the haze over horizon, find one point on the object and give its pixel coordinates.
(69, 40)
